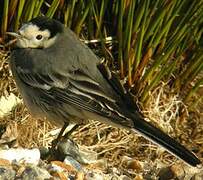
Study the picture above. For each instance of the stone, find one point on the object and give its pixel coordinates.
(34, 172)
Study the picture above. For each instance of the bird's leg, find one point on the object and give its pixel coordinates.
(60, 135)
(70, 132)
(66, 136)
(54, 151)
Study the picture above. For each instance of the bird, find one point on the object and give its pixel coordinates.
(60, 78)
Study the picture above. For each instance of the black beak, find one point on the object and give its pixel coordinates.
(16, 35)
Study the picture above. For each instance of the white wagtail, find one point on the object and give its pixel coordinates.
(61, 79)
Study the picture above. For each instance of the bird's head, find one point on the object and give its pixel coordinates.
(40, 32)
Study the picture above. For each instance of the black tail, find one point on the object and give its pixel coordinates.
(142, 126)
(159, 137)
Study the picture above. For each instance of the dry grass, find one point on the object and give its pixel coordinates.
(114, 144)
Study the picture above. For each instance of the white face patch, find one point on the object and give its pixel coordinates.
(33, 37)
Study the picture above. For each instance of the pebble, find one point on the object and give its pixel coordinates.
(7, 173)
(33, 172)
(21, 155)
(71, 168)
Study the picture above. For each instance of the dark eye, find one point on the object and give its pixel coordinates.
(39, 36)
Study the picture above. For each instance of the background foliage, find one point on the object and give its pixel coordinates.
(147, 42)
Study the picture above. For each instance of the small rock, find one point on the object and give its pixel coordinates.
(8, 103)
(6, 173)
(34, 172)
(21, 155)
(72, 162)
(138, 177)
(166, 174)
(63, 166)
(135, 165)
(59, 175)
(61, 170)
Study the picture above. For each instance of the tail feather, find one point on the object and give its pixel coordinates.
(145, 128)
(159, 137)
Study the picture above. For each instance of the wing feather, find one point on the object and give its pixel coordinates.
(79, 90)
